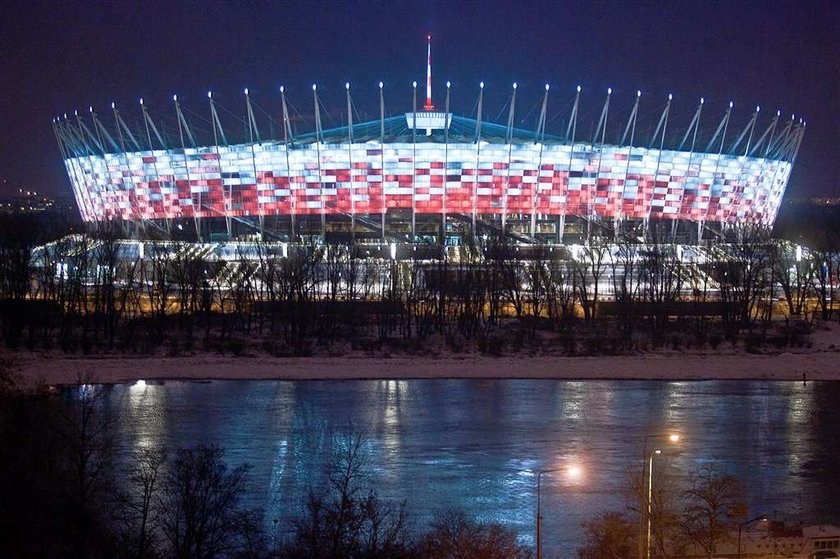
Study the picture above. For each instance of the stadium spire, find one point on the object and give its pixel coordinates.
(428, 106)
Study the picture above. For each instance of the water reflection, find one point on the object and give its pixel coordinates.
(477, 444)
(145, 417)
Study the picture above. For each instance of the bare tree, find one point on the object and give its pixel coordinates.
(589, 268)
(795, 273)
(626, 285)
(200, 512)
(347, 520)
(660, 276)
(137, 513)
(743, 273)
(87, 434)
(453, 535)
(709, 503)
(611, 535)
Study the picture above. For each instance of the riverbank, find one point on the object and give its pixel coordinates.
(820, 361)
(34, 370)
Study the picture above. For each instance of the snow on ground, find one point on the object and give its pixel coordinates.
(819, 362)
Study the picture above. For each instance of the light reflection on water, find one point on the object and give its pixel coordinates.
(477, 444)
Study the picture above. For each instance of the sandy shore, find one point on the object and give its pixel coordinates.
(821, 361)
(36, 370)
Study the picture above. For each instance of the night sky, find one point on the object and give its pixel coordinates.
(55, 57)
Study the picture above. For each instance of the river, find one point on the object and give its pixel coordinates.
(477, 444)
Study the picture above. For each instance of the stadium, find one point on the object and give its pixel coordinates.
(426, 174)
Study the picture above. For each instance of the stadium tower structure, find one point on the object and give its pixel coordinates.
(427, 174)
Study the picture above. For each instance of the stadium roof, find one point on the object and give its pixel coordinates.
(396, 129)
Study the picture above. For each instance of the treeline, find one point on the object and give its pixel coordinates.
(88, 293)
(70, 491)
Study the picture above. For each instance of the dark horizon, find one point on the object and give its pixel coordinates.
(56, 57)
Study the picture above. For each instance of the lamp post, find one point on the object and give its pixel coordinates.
(762, 517)
(650, 500)
(647, 491)
(573, 471)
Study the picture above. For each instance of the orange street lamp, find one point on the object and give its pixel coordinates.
(573, 472)
(647, 491)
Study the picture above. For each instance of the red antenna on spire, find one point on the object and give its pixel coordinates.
(428, 106)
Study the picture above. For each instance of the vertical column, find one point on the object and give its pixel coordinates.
(477, 156)
(538, 139)
(663, 123)
(413, 162)
(253, 131)
(196, 216)
(382, 154)
(350, 162)
(510, 153)
(226, 189)
(318, 139)
(445, 165)
(135, 210)
(571, 128)
(287, 136)
(602, 128)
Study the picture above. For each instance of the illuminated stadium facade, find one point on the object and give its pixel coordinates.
(428, 173)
